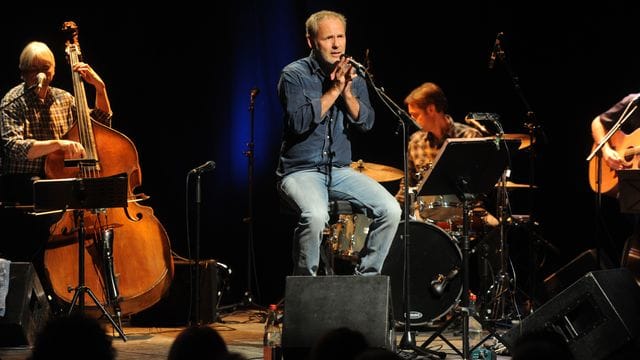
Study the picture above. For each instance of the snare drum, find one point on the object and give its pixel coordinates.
(439, 207)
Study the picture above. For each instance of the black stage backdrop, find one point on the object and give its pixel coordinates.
(179, 79)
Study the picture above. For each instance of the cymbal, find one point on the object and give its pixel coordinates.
(512, 185)
(525, 140)
(377, 172)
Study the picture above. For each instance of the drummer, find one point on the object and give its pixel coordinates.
(427, 104)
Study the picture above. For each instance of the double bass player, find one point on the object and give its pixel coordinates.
(34, 118)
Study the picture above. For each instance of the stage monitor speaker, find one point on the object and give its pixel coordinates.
(574, 270)
(27, 307)
(177, 307)
(316, 304)
(597, 315)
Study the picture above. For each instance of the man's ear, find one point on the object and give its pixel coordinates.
(309, 42)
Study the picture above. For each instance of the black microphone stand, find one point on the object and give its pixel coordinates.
(408, 340)
(532, 128)
(247, 297)
(195, 265)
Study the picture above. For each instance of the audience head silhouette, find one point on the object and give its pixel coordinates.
(339, 344)
(198, 342)
(74, 337)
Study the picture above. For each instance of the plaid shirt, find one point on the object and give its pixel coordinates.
(26, 119)
(423, 148)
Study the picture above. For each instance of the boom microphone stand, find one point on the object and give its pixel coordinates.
(408, 340)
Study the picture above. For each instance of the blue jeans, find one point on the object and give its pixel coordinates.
(309, 192)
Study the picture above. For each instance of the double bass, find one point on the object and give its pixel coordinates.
(127, 255)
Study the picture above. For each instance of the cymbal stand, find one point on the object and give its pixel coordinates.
(502, 284)
(81, 289)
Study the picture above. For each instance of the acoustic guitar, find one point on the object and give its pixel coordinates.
(627, 146)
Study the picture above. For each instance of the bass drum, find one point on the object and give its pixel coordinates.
(433, 256)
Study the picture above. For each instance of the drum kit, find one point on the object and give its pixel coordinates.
(435, 227)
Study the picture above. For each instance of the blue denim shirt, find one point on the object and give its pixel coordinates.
(309, 141)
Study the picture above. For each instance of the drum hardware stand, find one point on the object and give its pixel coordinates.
(494, 303)
(82, 194)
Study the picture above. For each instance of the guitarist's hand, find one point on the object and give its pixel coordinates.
(614, 160)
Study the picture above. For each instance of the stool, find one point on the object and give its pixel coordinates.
(343, 238)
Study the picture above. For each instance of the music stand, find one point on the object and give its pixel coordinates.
(464, 166)
(79, 194)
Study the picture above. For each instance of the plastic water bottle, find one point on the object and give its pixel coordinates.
(272, 341)
(474, 325)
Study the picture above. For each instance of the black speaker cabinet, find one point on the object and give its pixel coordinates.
(27, 307)
(597, 315)
(178, 306)
(316, 304)
(574, 270)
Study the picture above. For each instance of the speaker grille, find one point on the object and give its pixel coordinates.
(597, 315)
(27, 307)
(315, 305)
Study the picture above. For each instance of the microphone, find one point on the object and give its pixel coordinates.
(495, 50)
(208, 166)
(440, 282)
(360, 69)
(255, 91)
(41, 77)
(473, 122)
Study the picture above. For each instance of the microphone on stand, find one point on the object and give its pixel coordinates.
(254, 91)
(208, 166)
(360, 69)
(441, 281)
(41, 77)
(496, 50)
